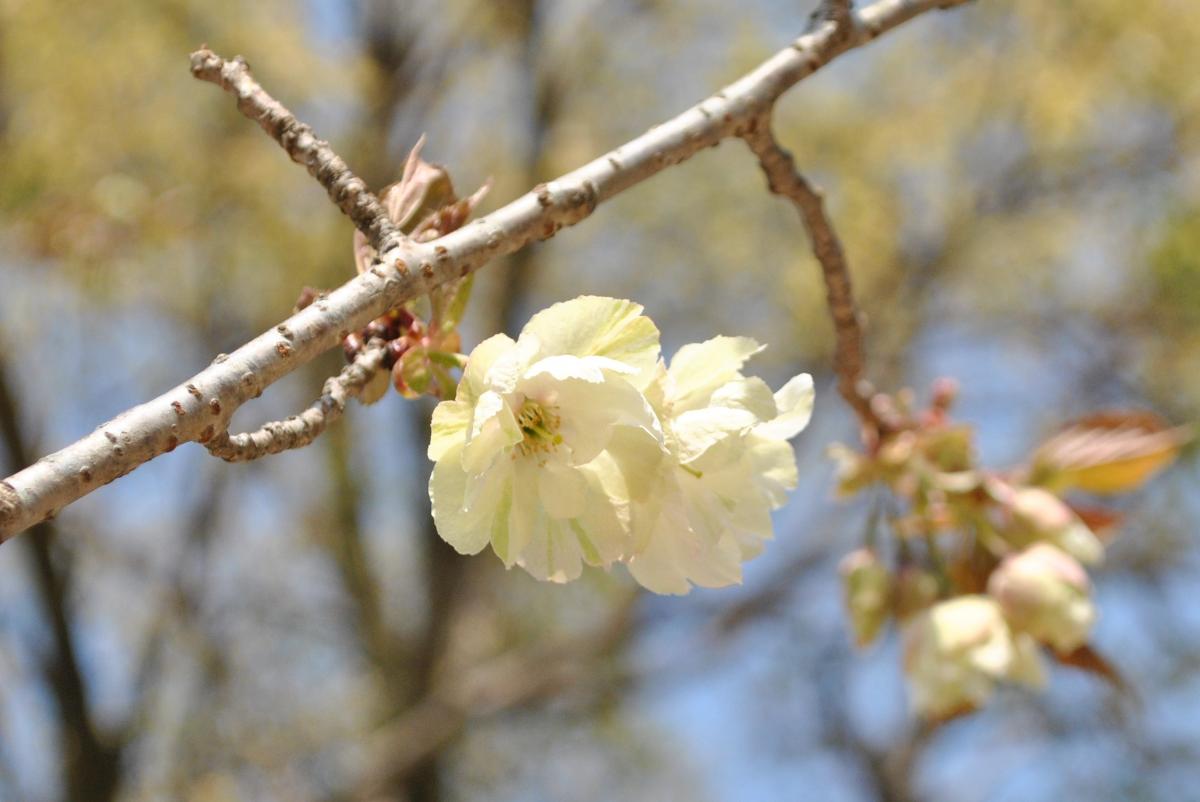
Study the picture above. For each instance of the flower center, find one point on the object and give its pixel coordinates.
(539, 424)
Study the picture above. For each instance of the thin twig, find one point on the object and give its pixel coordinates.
(783, 179)
(300, 430)
(198, 409)
(347, 190)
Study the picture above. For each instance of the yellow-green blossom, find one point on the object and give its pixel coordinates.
(525, 453)
(707, 508)
(956, 651)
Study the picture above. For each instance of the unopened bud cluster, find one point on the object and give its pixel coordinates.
(421, 338)
(419, 355)
(984, 571)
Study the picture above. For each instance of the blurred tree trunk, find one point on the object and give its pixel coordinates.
(90, 765)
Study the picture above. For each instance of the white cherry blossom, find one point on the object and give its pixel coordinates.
(525, 454)
(707, 508)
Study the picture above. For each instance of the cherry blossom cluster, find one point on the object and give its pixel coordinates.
(576, 444)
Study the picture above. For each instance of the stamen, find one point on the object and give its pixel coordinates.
(540, 425)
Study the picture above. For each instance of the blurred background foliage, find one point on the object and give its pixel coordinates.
(1018, 187)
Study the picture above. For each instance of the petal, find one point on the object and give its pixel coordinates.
(795, 403)
(502, 516)
(773, 464)
(562, 489)
(603, 528)
(675, 557)
(597, 326)
(752, 529)
(467, 531)
(747, 506)
(699, 430)
(493, 428)
(634, 466)
(526, 518)
(719, 567)
(706, 514)
(751, 394)
(448, 427)
(554, 554)
(506, 370)
(479, 363)
(1080, 542)
(587, 368)
(655, 567)
(699, 368)
(587, 547)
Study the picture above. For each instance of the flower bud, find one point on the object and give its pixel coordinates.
(866, 587)
(351, 346)
(945, 391)
(395, 350)
(1045, 591)
(956, 651)
(1040, 510)
(1040, 515)
(377, 328)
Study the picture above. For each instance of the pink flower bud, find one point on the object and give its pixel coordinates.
(1045, 591)
(1038, 514)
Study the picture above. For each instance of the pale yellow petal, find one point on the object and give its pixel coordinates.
(751, 394)
(698, 369)
(597, 326)
(563, 490)
(553, 554)
(795, 404)
(448, 427)
(467, 531)
(698, 430)
(479, 363)
(493, 428)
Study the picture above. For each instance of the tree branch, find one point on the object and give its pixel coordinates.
(783, 179)
(348, 191)
(199, 409)
(300, 430)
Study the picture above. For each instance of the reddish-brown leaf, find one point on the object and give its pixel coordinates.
(1104, 523)
(1088, 659)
